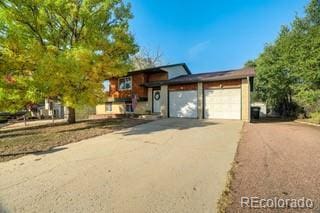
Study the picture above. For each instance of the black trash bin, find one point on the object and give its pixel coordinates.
(255, 113)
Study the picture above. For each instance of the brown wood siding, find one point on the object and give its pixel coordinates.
(222, 84)
(137, 80)
(137, 88)
(160, 76)
(114, 91)
(183, 87)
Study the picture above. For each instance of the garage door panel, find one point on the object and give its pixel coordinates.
(223, 104)
(183, 104)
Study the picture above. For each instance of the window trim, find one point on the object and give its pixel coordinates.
(109, 86)
(129, 104)
(130, 77)
(108, 104)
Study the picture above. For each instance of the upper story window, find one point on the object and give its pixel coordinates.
(106, 86)
(125, 83)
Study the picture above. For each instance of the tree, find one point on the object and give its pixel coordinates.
(288, 70)
(146, 59)
(67, 47)
(250, 63)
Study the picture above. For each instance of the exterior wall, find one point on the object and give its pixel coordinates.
(222, 84)
(114, 91)
(245, 90)
(164, 101)
(85, 112)
(159, 76)
(137, 80)
(142, 107)
(183, 87)
(150, 99)
(175, 71)
(200, 100)
(117, 108)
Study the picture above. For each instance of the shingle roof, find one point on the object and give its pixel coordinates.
(159, 68)
(207, 77)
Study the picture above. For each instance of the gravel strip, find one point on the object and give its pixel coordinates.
(277, 160)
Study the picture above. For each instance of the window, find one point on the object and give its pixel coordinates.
(129, 107)
(108, 107)
(125, 83)
(106, 86)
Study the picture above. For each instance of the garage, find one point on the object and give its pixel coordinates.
(183, 104)
(222, 103)
(214, 95)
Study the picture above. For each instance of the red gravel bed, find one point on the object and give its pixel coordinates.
(280, 159)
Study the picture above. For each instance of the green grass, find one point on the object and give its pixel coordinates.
(315, 117)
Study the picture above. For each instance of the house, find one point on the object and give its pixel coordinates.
(59, 111)
(172, 91)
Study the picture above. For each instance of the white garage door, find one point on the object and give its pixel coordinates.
(183, 104)
(222, 104)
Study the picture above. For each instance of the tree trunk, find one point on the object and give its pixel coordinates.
(71, 115)
(52, 117)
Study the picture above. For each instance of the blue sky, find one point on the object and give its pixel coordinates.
(210, 35)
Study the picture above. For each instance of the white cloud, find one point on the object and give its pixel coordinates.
(198, 48)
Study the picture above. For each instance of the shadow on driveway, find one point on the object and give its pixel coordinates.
(167, 124)
(37, 152)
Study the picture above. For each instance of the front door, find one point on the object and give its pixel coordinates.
(156, 101)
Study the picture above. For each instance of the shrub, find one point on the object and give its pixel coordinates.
(315, 117)
(309, 100)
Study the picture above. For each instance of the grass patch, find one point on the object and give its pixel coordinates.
(17, 142)
(315, 118)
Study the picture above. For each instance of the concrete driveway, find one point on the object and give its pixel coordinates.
(170, 165)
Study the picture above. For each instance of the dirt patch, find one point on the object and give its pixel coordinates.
(225, 199)
(15, 143)
(280, 160)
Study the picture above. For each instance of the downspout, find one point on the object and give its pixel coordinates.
(249, 99)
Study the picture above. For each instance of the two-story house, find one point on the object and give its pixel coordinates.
(172, 91)
(129, 94)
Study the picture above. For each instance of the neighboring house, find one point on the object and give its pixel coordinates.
(46, 109)
(172, 91)
(60, 111)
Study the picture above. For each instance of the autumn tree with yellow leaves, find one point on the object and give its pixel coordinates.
(61, 50)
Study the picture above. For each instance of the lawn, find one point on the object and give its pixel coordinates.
(17, 142)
